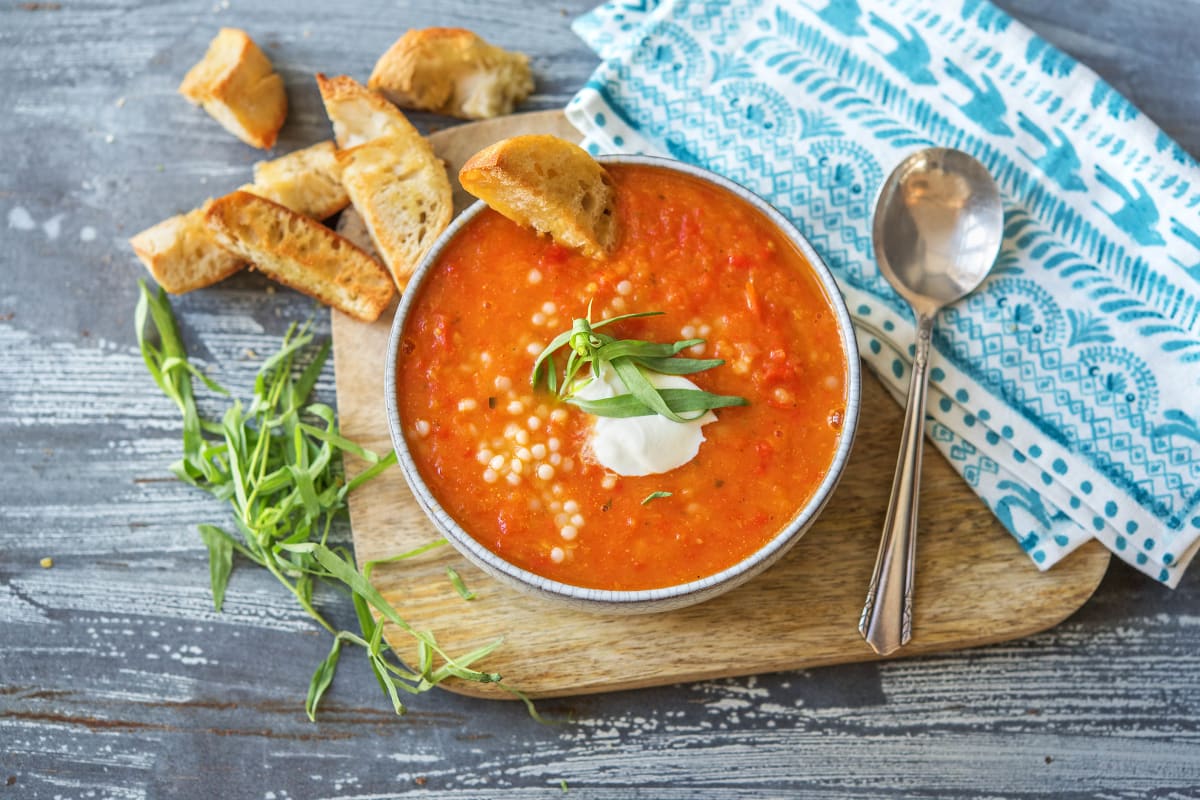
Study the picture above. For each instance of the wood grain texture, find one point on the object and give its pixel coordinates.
(118, 680)
(803, 612)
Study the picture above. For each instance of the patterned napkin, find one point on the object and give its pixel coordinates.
(1066, 391)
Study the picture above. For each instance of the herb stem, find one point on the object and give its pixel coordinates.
(304, 602)
(416, 551)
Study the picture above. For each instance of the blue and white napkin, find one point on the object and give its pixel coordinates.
(1066, 391)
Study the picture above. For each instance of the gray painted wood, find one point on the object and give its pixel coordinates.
(118, 680)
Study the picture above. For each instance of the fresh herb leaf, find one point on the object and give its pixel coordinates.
(416, 551)
(563, 338)
(386, 680)
(459, 586)
(640, 387)
(631, 360)
(655, 496)
(322, 678)
(366, 621)
(640, 349)
(623, 317)
(220, 560)
(677, 366)
(680, 401)
(277, 462)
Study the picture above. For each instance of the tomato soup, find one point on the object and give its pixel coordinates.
(510, 463)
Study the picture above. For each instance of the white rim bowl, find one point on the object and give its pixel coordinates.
(642, 600)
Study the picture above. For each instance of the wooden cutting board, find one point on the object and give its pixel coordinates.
(974, 584)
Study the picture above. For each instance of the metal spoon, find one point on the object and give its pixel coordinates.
(938, 226)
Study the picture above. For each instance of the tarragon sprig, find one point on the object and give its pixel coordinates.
(630, 359)
(277, 462)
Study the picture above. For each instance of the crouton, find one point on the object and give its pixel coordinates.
(236, 85)
(452, 71)
(360, 115)
(401, 190)
(181, 254)
(300, 253)
(308, 181)
(548, 184)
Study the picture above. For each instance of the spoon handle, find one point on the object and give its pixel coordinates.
(886, 621)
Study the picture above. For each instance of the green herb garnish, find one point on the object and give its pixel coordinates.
(655, 496)
(459, 585)
(277, 462)
(631, 359)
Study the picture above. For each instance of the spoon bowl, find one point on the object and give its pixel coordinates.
(938, 226)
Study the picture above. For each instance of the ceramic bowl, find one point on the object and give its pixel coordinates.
(644, 600)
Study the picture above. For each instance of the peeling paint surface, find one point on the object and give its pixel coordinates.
(117, 678)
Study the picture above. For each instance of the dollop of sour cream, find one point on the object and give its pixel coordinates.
(648, 445)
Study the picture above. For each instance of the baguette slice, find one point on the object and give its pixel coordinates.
(401, 190)
(548, 184)
(360, 115)
(300, 253)
(307, 181)
(452, 71)
(237, 86)
(181, 254)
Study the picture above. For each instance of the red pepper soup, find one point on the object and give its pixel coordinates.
(510, 463)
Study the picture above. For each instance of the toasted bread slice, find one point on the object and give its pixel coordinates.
(452, 71)
(360, 115)
(237, 86)
(307, 181)
(300, 253)
(181, 254)
(403, 194)
(548, 184)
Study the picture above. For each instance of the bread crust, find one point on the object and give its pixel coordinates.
(236, 84)
(301, 253)
(452, 71)
(548, 184)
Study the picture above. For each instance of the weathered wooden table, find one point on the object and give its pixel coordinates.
(117, 679)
